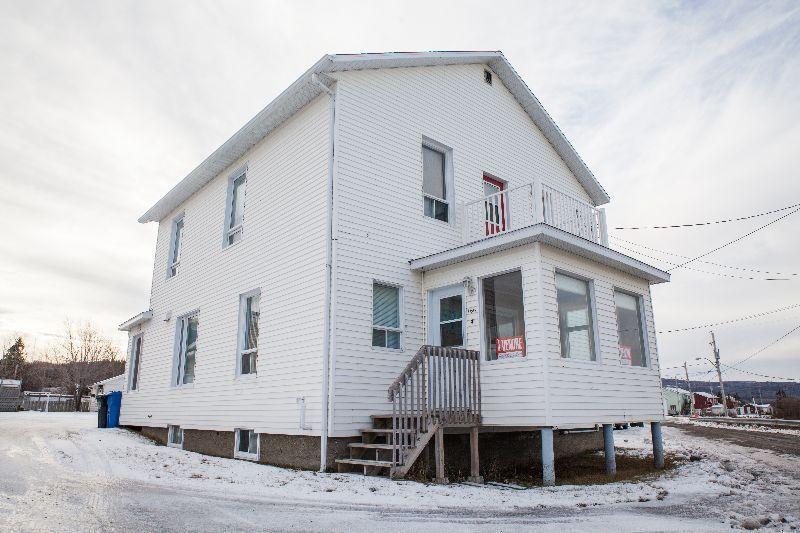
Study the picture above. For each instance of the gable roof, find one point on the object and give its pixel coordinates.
(305, 89)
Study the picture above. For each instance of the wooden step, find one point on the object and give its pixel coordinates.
(386, 431)
(371, 446)
(365, 462)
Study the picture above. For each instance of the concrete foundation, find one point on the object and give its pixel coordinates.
(290, 451)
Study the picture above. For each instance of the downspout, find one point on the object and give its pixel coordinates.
(328, 305)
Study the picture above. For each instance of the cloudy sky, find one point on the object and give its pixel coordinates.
(686, 112)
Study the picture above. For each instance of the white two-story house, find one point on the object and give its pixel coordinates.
(399, 246)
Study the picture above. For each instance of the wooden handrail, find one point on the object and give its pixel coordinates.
(438, 387)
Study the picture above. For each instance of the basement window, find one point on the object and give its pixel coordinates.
(487, 77)
(246, 445)
(175, 436)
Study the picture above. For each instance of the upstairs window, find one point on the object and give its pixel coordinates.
(187, 350)
(630, 327)
(133, 366)
(575, 318)
(249, 311)
(386, 332)
(246, 445)
(236, 194)
(434, 183)
(175, 248)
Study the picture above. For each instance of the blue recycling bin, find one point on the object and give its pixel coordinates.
(114, 401)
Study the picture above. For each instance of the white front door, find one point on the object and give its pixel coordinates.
(446, 325)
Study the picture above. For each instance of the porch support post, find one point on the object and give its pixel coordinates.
(658, 444)
(439, 449)
(548, 459)
(474, 457)
(608, 440)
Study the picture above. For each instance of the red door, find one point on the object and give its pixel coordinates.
(495, 205)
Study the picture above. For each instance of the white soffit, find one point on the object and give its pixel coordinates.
(304, 90)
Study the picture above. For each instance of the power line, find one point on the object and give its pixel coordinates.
(709, 223)
(689, 257)
(722, 274)
(770, 345)
(740, 319)
(737, 239)
(735, 369)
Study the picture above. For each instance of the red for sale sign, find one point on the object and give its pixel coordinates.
(510, 347)
(625, 355)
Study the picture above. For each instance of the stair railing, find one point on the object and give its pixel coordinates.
(439, 386)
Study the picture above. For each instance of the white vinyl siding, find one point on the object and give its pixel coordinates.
(286, 263)
(383, 119)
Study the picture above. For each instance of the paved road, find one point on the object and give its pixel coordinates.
(777, 442)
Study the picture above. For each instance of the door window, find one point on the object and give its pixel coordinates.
(494, 205)
(451, 323)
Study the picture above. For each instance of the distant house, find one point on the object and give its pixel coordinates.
(704, 401)
(10, 394)
(676, 401)
(753, 409)
(112, 384)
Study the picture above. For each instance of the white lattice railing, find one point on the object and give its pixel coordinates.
(526, 205)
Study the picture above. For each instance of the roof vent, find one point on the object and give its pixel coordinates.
(487, 77)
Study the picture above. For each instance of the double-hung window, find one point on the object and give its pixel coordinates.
(175, 248)
(187, 350)
(246, 444)
(133, 365)
(575, 320)
(630, 327)
(235, 209)
(249, 311)
(386, 331)
(434, 182)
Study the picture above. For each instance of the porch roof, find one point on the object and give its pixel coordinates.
(132, 322)
(549, 235)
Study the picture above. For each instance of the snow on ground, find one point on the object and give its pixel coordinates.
(719, 486)
(744, 427)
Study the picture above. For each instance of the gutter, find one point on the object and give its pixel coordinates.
(329, 304)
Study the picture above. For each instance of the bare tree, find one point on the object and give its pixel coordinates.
(85, 357)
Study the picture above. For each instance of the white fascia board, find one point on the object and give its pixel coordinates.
(141, 318)
(304, 90)
(545, 234)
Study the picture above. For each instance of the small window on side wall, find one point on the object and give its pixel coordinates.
(246, 445)
(175, 246)
(133, 365)
(175, 436)
(575, 319)
(249, 313)
(235, 209)
(630, 321)
(435, 162)
(386, 331)
(187, 350)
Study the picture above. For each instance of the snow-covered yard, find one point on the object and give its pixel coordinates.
(58, 472)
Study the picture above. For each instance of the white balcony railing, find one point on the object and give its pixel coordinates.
(526, 205)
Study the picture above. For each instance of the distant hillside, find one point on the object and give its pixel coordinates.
(745, 390)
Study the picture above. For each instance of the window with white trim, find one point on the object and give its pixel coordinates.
(247, 446)
(175, 436)
(435, 181)
(575, 319)
(249, 312)
(175, 246)
(235, 208)
(386, 331)
(186, 350)
(134, 363)
(630, 328)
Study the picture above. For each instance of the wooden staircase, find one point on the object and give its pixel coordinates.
(439, 388)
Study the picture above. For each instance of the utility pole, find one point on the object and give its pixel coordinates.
(691, 394)
(719, 374)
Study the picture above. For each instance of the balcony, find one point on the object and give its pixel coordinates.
(530, 204)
